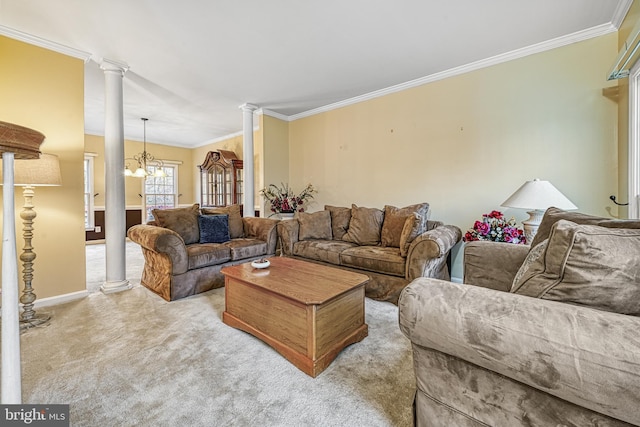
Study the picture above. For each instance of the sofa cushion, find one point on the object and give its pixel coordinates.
(413, 227)
(213, 228)
(340, 218)
(394, 220)
(205, 254)
(236, 227)
(587, 265)
(365, 226)
(386, 260)
(316, 225)
(246, 248)
(183, 221)
(552, 215)
(321, 250)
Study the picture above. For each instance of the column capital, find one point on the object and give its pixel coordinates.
(112, 65)
(248, 107)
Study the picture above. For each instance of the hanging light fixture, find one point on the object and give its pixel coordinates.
(144, 160)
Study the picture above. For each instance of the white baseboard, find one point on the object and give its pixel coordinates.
(456, 279)
(60, 299)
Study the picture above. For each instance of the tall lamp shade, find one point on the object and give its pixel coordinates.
(537, 196)
(41, 172)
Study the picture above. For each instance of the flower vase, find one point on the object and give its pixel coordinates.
(286, 215)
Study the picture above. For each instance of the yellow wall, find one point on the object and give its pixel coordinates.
(133, 186)
(43, 90)
(466, 143)
(276, 157)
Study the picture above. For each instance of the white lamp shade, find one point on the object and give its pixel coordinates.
(41, 172)
(538, 195)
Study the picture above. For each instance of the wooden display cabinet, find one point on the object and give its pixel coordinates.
(221, 179)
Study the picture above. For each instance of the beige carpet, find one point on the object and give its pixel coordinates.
(132, 359)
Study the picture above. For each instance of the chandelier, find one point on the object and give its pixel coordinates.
(144, 160)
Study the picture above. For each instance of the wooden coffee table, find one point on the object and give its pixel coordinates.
(307, 312)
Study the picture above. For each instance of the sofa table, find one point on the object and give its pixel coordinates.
(307, 312)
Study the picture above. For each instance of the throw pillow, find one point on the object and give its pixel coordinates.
(587, 265)
(552, 215)
(533, 256)
(340, 218)
(394, 220)
(364, 227)
(236, 225)
(316, 225)
(183, 221)
(214, 228)
(412, 228)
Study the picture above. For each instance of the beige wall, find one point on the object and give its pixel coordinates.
(466, 143)
(43, 90)
(276, 157)
(133, 186)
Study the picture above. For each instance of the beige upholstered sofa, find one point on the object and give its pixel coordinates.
(392, 246)
(177, 264)
(550, 336)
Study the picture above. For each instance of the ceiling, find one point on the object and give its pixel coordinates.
(193, 63)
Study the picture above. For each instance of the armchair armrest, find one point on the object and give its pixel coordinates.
(581, 355)
(162, 241)
(427, 256)
(492, 264)
(262, 229)
(288, 234)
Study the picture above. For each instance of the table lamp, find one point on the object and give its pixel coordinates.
(537, 196)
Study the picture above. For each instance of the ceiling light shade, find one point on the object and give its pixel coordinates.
(537, 195)
(41, 172)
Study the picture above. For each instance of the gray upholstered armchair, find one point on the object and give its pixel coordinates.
(547, 337)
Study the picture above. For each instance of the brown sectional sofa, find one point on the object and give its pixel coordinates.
(178, 265)
(392, 246)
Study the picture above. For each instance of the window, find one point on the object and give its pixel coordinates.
(89, 215)
(160, 192)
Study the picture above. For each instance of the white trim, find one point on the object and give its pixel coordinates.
(634, 142)
(60, 299)
(578, 36)
(621, 11)
(47, 44)
(273, 114)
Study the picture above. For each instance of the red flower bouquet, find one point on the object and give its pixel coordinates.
(496, 228)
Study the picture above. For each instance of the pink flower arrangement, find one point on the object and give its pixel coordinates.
(496, 228)
(284, 200)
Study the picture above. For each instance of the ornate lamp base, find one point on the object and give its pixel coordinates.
(532, 223)
(36, 320)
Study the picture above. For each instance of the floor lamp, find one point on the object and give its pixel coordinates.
(28, 174)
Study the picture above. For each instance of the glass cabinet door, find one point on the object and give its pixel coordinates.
(220, 179)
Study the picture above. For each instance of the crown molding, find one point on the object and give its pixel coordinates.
(273, 114)
(621, 12)
(578, 36)
(47, 44)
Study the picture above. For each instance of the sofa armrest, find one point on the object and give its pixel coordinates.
(288, 234)
(427, 256)
(581, 355)
(492, 264)
(163, 241)
(262, 229)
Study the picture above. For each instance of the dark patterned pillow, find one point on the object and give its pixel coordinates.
(214, 228)
(340, 218)
(236, 225)
(183, 221)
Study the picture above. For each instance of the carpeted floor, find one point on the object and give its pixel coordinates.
(132, 359)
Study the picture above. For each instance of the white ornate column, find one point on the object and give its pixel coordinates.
(115, 214)
(11, 368)
(248, 196)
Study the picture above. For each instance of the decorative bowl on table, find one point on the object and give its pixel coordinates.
(260, 263)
